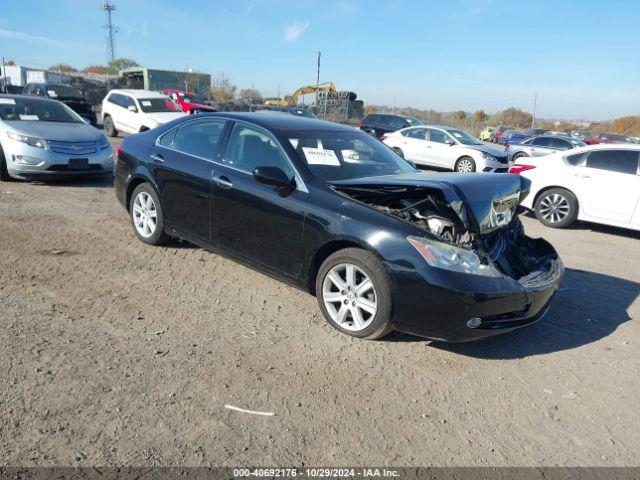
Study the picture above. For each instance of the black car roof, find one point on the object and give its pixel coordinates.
(279, 122)
(34, 98)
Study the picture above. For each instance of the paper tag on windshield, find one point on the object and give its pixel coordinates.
(29, 117)
(145, 103)
(7, 101)
(52, 93)
(318, 156)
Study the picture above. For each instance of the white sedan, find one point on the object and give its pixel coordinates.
(447, 148)
(597, 183)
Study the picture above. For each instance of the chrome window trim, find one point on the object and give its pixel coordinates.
(300, 185)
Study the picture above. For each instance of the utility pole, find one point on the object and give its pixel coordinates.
(109, 7)
(318, 77)
(4, 74)
(535, 104)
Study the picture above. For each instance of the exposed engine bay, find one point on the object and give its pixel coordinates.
(497, 238)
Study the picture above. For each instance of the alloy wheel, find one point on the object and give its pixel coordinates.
(554, 208)
(465, 166)
(145, 215)
(350, 297)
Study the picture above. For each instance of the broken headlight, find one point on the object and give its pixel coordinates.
(449, 257)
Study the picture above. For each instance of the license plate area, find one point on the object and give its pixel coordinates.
(78, 163)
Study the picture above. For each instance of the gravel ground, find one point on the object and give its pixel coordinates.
(119, 353)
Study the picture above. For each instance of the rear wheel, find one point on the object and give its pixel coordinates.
(519, 155)
(398, 151)
(557, 208)
(109, 127)
(146, 215)
(465, 165)
(354, 293)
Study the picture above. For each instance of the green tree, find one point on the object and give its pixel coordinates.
(62, 67)
(460, 115)
(118, 64)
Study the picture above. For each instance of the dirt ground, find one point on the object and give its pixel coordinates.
(118, 353)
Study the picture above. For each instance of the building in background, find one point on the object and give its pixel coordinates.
(19, 76)
(152, 79)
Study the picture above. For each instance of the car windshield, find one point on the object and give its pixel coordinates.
(414, 121)
(62, 91)
(464, 137)
(620, 138)
(194, 99)
(577, 143)
(335, 156)
(154, 105)
(35, 109)
(305, 113)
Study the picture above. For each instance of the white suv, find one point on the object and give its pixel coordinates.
(133, 111)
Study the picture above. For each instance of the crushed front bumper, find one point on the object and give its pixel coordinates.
(442, 305)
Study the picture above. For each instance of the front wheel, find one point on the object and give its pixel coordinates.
(146, 215)
(354, 293)
(398, 151)
(4, 172)
(465, 165)
(557, 208)
(518, 155)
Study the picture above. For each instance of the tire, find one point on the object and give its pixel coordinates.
(565, 212)
(109, 127)
(364, 324)
(4, 172)
(465, 165)
(142, 214)
(519, 155)
(398, 151)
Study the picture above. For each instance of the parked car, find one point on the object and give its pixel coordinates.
(502, 140)
(513, 137)
(556, 133)
(541, 145)
(133, 111)
(580, 134)
(498, 133)
(43, 138)
(485, 134)
(614, 138)
(333, 211)
(533, 132)
(597, 183)
(297, 111)
(446, 147)
(70, 96)
(377, 124)
(189, 102)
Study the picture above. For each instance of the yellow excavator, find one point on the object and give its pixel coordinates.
(293, 99)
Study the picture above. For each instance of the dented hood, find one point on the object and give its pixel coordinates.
(483, 201)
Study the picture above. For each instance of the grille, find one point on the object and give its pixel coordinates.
(503, 160)
(65, 168)
(73, 148)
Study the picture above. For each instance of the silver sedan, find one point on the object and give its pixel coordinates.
(43, 138)
(542, 145)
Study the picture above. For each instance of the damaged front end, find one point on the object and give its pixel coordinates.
(470, 223)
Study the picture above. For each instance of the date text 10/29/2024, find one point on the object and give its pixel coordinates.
(316, 472)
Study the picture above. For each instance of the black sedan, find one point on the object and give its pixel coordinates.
(329, 209)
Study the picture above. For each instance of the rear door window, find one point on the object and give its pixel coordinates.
(620, 161)
(559, 143)
(417, 133)
(541, 141)
(397, 123)
(199, 139)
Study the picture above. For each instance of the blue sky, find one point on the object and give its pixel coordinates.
(582, 57)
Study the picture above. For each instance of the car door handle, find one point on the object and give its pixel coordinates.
(223, 182)
(157, 158)
(581, 175)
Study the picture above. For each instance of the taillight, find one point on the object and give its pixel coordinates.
(117, 152)
(519, 168)
(383, 138)
(506, 147)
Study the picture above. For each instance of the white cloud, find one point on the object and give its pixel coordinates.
(293, 31)
(27, 37)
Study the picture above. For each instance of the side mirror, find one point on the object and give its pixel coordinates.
(274, 176)
(449, 142)
(86, 120)
(132, 108)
